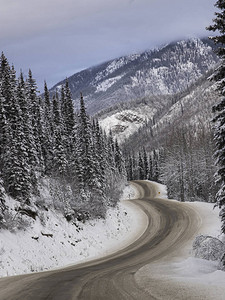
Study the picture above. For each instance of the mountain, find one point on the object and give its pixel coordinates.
(132, 121)
(168, 70)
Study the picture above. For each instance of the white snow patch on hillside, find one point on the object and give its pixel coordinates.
(154, 78)
(58, 243)
(115, 65)
(125, 123)
(106, 84)
(197, 112)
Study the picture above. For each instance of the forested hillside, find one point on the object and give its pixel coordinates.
(179, 145)
(45, 144)
(169, 138)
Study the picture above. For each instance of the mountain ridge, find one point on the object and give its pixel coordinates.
(167, 70)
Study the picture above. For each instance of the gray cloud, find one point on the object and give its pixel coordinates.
(56, 38)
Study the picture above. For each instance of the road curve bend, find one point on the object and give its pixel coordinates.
(171, 224)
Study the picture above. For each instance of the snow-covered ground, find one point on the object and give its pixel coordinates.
(185, 272)
(59, 243)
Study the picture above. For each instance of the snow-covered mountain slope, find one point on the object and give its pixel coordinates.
(167, 70)
(136, 120)
(123, 121)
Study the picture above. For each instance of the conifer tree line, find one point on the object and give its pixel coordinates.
(219, 109)
(43, 137)
(142, 165)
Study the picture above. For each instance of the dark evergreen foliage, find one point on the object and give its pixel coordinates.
(219, 109)
(42, 137)
(140, 167)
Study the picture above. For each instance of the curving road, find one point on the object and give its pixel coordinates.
(171, 225)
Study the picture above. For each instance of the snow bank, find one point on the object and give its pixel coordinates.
(53, 242)
(130, 192)
(185, 272)
(161, 189)
(191, 278)
(208, 247)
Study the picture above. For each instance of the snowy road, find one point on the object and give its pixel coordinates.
(171, 225)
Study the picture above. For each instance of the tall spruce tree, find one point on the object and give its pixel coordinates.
(59, 152)
(34, 110)
(3, 129)
(219, 109)
(141, 172)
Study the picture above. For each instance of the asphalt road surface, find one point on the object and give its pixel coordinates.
(171, 225)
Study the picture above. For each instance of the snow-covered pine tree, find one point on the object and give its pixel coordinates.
(68, 117)
(129, 167)
(140, 167)
(86, 153)
(34, 111)
(2, 196)
(48, 131)
(119, 161)
(60, 162)
(111, 152)
(24, 104)
(47, 104)
(100, 156)
(145, 164)
(3, 129)
(155, 166)
(16, 169)
(7, 81)
(14, 162)
(150, 163)
(219, 109)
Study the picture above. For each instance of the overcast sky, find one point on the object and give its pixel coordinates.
(57, 38)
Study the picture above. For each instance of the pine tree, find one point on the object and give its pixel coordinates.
(3, 129)
(155, 166)
(47, 105)
(119, 162)
(24, 105)
(100, 155)
(8, 83)
(129, 168)
(48, 131)
(16, 169)
(150, 163)
(60, 162)
(34, 111)
(111, 152)
(2, 195)
(145, 164)
(140, 167)
(219, 109)
(69, 116)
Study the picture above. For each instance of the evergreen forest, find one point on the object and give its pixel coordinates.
(45, 142)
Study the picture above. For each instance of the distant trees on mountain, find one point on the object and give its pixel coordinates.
(43, 137)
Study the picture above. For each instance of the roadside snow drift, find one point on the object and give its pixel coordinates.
(59, 243)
